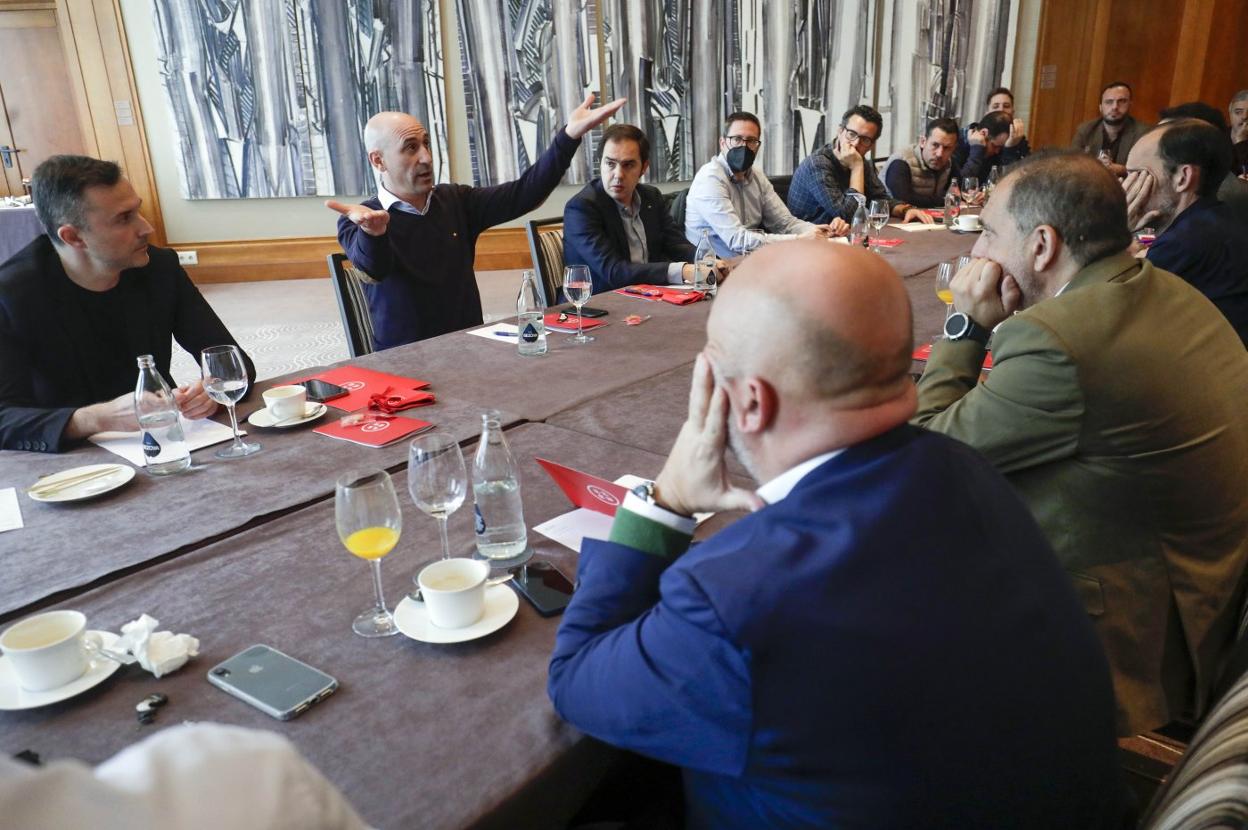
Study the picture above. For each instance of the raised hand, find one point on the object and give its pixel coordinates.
(1018, 131)
(584, 118)
(372, 222)
(1139, 186)
(846, 153)
(695, 477)
(977, 137)
(985, 293)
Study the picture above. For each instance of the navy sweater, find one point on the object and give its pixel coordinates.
(424, 263)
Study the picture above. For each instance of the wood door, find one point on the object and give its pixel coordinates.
(39, 116)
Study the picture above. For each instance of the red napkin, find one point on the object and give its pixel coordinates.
(658, 292)
(396, 400)
(362, 384)
(925, 351)
(887, 243)
(569, 322)
(372, 429)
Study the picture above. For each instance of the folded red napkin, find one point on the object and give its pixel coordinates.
(925, 351)
(396, 400)
(372, 429)
(568, 323)
(659, 292)
(887, 243)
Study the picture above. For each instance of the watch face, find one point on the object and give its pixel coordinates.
(956, 325)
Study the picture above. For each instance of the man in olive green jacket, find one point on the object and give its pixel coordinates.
(1118, 407)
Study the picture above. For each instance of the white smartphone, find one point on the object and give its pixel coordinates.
(273, 682)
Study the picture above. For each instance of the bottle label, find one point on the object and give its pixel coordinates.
(151, 447)
(478, 519)
(529, 335)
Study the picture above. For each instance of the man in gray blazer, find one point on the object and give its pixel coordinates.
(1111, 136)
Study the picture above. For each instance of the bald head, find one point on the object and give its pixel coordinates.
(399, 149)
(823, 323)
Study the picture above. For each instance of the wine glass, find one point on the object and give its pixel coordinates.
(878, 216)
(944, 290)
(577, 286)
(970, 190)
(225, 381)
(369, 521)
(437, 480)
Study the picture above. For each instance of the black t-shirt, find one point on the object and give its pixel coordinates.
(113, 342)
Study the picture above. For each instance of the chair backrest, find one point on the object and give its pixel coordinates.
(676, 206)
(1209, 786)
(546, 248)
(352, 304)
(781, 185)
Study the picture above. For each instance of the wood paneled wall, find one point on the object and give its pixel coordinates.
(1170, 51)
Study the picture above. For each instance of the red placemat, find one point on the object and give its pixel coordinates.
(372, 430)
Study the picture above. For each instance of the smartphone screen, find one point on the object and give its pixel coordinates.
(544, 586)
(321, 391)
(275, 683)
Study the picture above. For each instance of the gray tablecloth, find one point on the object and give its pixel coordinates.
(921, 250)
(419, 735)
(68, 546)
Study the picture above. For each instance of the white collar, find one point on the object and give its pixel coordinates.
(388, 200)
(779, 487)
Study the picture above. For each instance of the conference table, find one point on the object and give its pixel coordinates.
(243, 552)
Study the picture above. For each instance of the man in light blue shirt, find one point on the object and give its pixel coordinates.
(734, 203)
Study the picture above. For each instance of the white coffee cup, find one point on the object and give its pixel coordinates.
(285, 401)
(454, 591)
(967, 222)
(48, 650)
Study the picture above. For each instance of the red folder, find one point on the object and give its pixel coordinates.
(553, 323)
(584, 490)
(659, 292)
(361, 384)
(373, 429)
(925, 351)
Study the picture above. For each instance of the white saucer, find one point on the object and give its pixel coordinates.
(311, 411)
(14, 697)
(956, 229)
(121, 475)
(413, 620)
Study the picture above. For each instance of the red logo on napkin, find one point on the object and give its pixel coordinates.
(373, 430)
(363, 384)
(584, 490)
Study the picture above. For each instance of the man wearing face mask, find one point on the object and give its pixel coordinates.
(732, 201)
(832, 181)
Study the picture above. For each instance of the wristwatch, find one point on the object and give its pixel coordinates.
(961, 327)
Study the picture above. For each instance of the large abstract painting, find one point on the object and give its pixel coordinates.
(269, 97)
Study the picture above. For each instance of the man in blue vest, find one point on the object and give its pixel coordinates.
(886, 640)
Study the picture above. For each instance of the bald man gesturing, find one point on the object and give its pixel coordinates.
(886, 640)
(418, 240)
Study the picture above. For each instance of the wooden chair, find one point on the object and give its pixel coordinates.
(546, 248)
(352, 304)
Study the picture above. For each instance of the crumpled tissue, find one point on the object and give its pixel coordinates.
(160, 652)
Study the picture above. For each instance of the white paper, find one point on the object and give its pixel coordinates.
(917, 226)
(497, 331)
(198, 434)
(10, 510)
(573, 528)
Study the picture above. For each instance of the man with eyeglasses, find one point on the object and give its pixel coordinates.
(734, 202)
(835, 179)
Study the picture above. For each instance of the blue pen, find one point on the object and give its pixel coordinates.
(506, 334)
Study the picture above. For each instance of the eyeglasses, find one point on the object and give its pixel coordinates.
(854, 137)
(742, 141)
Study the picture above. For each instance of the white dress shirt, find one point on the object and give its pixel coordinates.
(740, 215)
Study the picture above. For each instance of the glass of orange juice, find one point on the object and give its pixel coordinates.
(369, 521)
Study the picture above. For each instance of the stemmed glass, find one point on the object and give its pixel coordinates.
(369, 521)
(944, 278)
(970, 190)
(577, 286)
(225, 381)
(878, 216)
(437, 480)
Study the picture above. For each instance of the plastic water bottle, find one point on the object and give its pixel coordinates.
(859, 229)
(164, 446)
(704, 270)
(531, 311)
(951, 205)
(501, 533)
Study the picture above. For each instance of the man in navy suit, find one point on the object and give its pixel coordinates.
(887, 640)
(620, 228)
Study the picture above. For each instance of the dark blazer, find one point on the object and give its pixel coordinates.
(891, 645)
(593, 235)
(50, 364)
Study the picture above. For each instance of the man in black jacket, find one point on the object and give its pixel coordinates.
(78, 305)
(619, 227)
